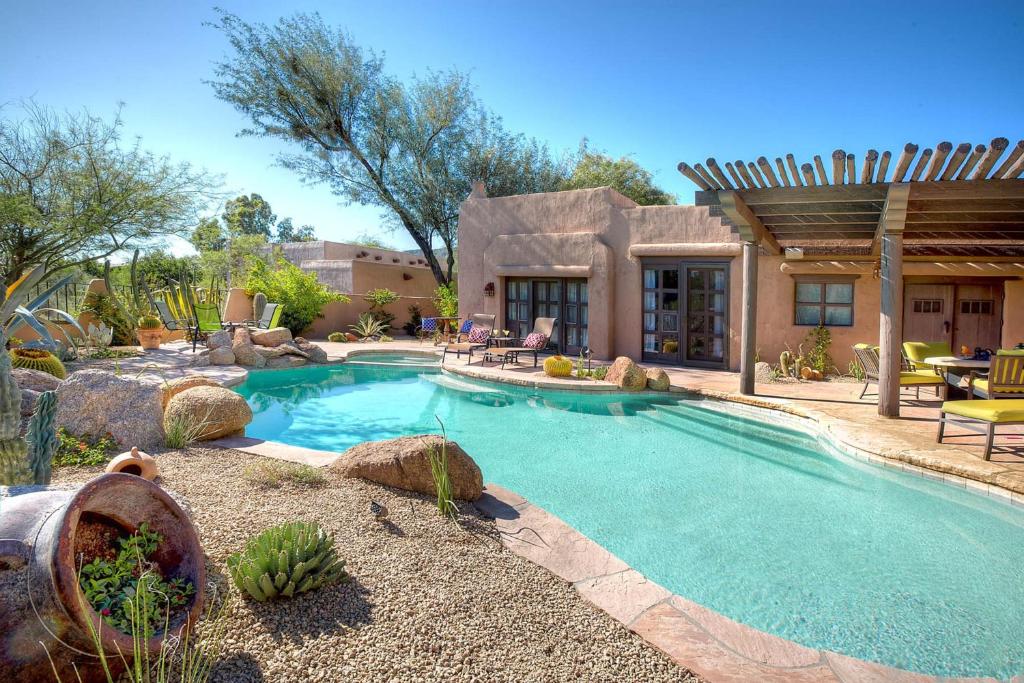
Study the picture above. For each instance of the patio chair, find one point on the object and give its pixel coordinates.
(207, 321)
(270, 317)
(534, 343)
(478, 331)
(867, 358)
(1004, 379)
(170, 322)
(982, 417)
(916, 352)
(427, 328)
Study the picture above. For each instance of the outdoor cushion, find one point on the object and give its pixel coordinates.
(983, 385)
(466, 325)
(535, 340)
(1010, 352)
(920, 377)
(991, 410)
(478, 335)
(429, 325)
(918, 351)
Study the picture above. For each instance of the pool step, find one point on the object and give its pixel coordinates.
(449, 382)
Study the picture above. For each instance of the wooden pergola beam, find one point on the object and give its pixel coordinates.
(750, 227)
(894, 213)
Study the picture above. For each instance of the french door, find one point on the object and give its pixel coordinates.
(685, 309)
(565, 299)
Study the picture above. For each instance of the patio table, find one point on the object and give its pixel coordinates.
(955, 368)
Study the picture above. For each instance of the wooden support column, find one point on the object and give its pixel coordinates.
(890, 326)
(748, 323)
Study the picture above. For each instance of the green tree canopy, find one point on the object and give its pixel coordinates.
(286, 232)
(413, 149)
(209, 235)
(624, 175)
(249, 215)
(71, 192)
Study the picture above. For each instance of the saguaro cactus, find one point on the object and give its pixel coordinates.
(42, 437)
(13, 465)
(259, 302)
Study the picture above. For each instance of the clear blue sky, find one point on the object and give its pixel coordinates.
(664, 81)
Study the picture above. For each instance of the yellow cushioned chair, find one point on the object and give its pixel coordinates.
(867, 357)
(982, 417)
(916, 352)
(1005, 378)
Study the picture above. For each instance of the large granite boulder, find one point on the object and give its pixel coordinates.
(269, 352)
(176, 386)
(626, 374)
(36, 380)
(275, 336)
(216, 411)
(312, 351)
(285, 362)
(28, 401)
(762, 372)
(97, 402)
(657, 379)
(222, 356)
(245, 351)
(218, 340)
(404, 464)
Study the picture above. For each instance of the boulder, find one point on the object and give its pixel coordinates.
(292, 348)
(201, 359)
(28, 401)
(97, 402)
(626, 374)
(245, 354)
(269, 352)
(36, 380)
(218, 340)
(657, 379)
(219, 411)
(275, 336)
(285, 362)
(241, 336)
(222, 356)
(404, 464)
(176, 386)
(762, 372)
(351, 337)
(313, 352)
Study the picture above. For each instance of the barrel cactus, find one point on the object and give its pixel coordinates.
(286, 560)
(38, 359)
(259, 302)
(149, 322)
(557, 366)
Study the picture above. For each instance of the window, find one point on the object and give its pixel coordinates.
(976, 306)
(824, 302)
(927, 305)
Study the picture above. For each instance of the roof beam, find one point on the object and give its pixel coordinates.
(750, 227)
(894, 214)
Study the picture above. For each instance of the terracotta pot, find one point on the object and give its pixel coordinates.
(150, 339)
(135, 462)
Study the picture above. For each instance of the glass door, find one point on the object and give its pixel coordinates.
(661, 313)
(518, 321)
(706, 300)
(576, 314)
(547, 303)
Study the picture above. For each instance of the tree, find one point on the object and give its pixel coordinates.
(595, 169)
(365, 239)
(249, 215)
(209, 235)
(286, 232)
(413, 149)
(71, 193)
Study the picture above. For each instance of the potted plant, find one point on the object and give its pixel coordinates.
(150, 331)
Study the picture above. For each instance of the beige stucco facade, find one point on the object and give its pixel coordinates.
(604, 237)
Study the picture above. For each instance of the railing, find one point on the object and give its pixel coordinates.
(69, 298)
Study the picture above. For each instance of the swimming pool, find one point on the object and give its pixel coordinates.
(757, 522)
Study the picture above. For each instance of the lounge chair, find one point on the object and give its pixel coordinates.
(270, 317)
(916, 352)
(867, 357)
(170, 322)
(982, 417)
(478, 331)
(534, 343)
(207, 321)
(1004, 379)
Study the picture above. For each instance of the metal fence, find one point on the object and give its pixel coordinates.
(70, 297)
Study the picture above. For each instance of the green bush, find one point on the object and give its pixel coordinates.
(74, 451)
(286, 560)
(447, 301)
(337, 337)
(301, 294)
(379, 299)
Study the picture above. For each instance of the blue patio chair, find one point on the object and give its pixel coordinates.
(427, 328)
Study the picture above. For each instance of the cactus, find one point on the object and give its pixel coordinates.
(557, 366)
(259, 302)
(13, 465)
(42, 437)
(149, 322)
(38, 359)
(785, 358)
(286, 560)
(337, 337)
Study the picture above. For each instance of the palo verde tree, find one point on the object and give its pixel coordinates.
(71, 192)
(596, 169)
(413, 149)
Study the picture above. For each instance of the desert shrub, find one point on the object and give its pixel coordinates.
(286, 560)
(415, 320)
(77, 451)
(337, 337)
(271, 474)
(819, 340)
(438, 459)
(856, 371)
(378, 299)
(182, 430)
(301, 294)
(447, 301)
(599, 372)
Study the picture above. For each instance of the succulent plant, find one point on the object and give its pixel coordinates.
(337, 337)
(12, 448)
(42, 437)
(286, 560)
(785, 359)
(38, 359)
(149, 322)
(557, 366)
(259, 302)
(367, 326)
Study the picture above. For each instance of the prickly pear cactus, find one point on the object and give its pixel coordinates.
(259, 302)
(13, 464)
(42, 437)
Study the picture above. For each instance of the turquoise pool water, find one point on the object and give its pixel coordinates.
(754, 521)
(395, 359)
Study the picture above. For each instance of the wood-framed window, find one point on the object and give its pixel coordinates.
(977, 306)
(823, 300)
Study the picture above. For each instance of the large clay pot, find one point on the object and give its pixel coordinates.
(149, 339)
(39, 528)
(135, 462)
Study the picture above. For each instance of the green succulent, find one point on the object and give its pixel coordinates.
(286, 560)
(38, 359)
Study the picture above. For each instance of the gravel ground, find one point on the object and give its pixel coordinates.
(429, 600)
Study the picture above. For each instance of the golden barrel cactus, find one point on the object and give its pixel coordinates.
(38, 359)
(557, 366)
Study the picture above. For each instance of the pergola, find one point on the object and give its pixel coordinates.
(946, 204)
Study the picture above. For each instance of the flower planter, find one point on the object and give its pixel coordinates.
(149, 339)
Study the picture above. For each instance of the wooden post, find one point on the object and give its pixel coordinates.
(890, 329)
(748, 329)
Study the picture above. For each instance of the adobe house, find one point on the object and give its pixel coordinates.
(934, 252)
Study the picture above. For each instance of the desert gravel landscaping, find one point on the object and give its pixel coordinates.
(428, 601)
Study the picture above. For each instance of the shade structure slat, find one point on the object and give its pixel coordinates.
(851, 168)
(708, 178)
(808, 173)
(1015, 170)
(961, 152)
(989, 159)
(1015, 154)
(766, 169)
(741, 168)
(867, 173)
(791, 162)
(782, 171)
(921, 162)
(716, 171)
(883, 167)
(838, 167)
(821, 170)
(903, 163)
(942, 150)
(756, 174)
(735, 176)
(969, 164)
(695, 177)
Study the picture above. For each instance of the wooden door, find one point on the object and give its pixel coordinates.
(928, 313)
(979, 316)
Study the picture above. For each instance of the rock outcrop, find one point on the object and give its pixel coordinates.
(215, 411)
(657, 379)
(222, 355)
(97, 402)
(245, 351)
(275, 336)
(404, 464)
(626, 374)
(314, 353)
(218, 340)
(176, 386)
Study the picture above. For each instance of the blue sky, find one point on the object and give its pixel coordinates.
(663, 81)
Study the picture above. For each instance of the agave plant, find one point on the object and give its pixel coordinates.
(286, 560)
(368, 327)
(32, 311)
